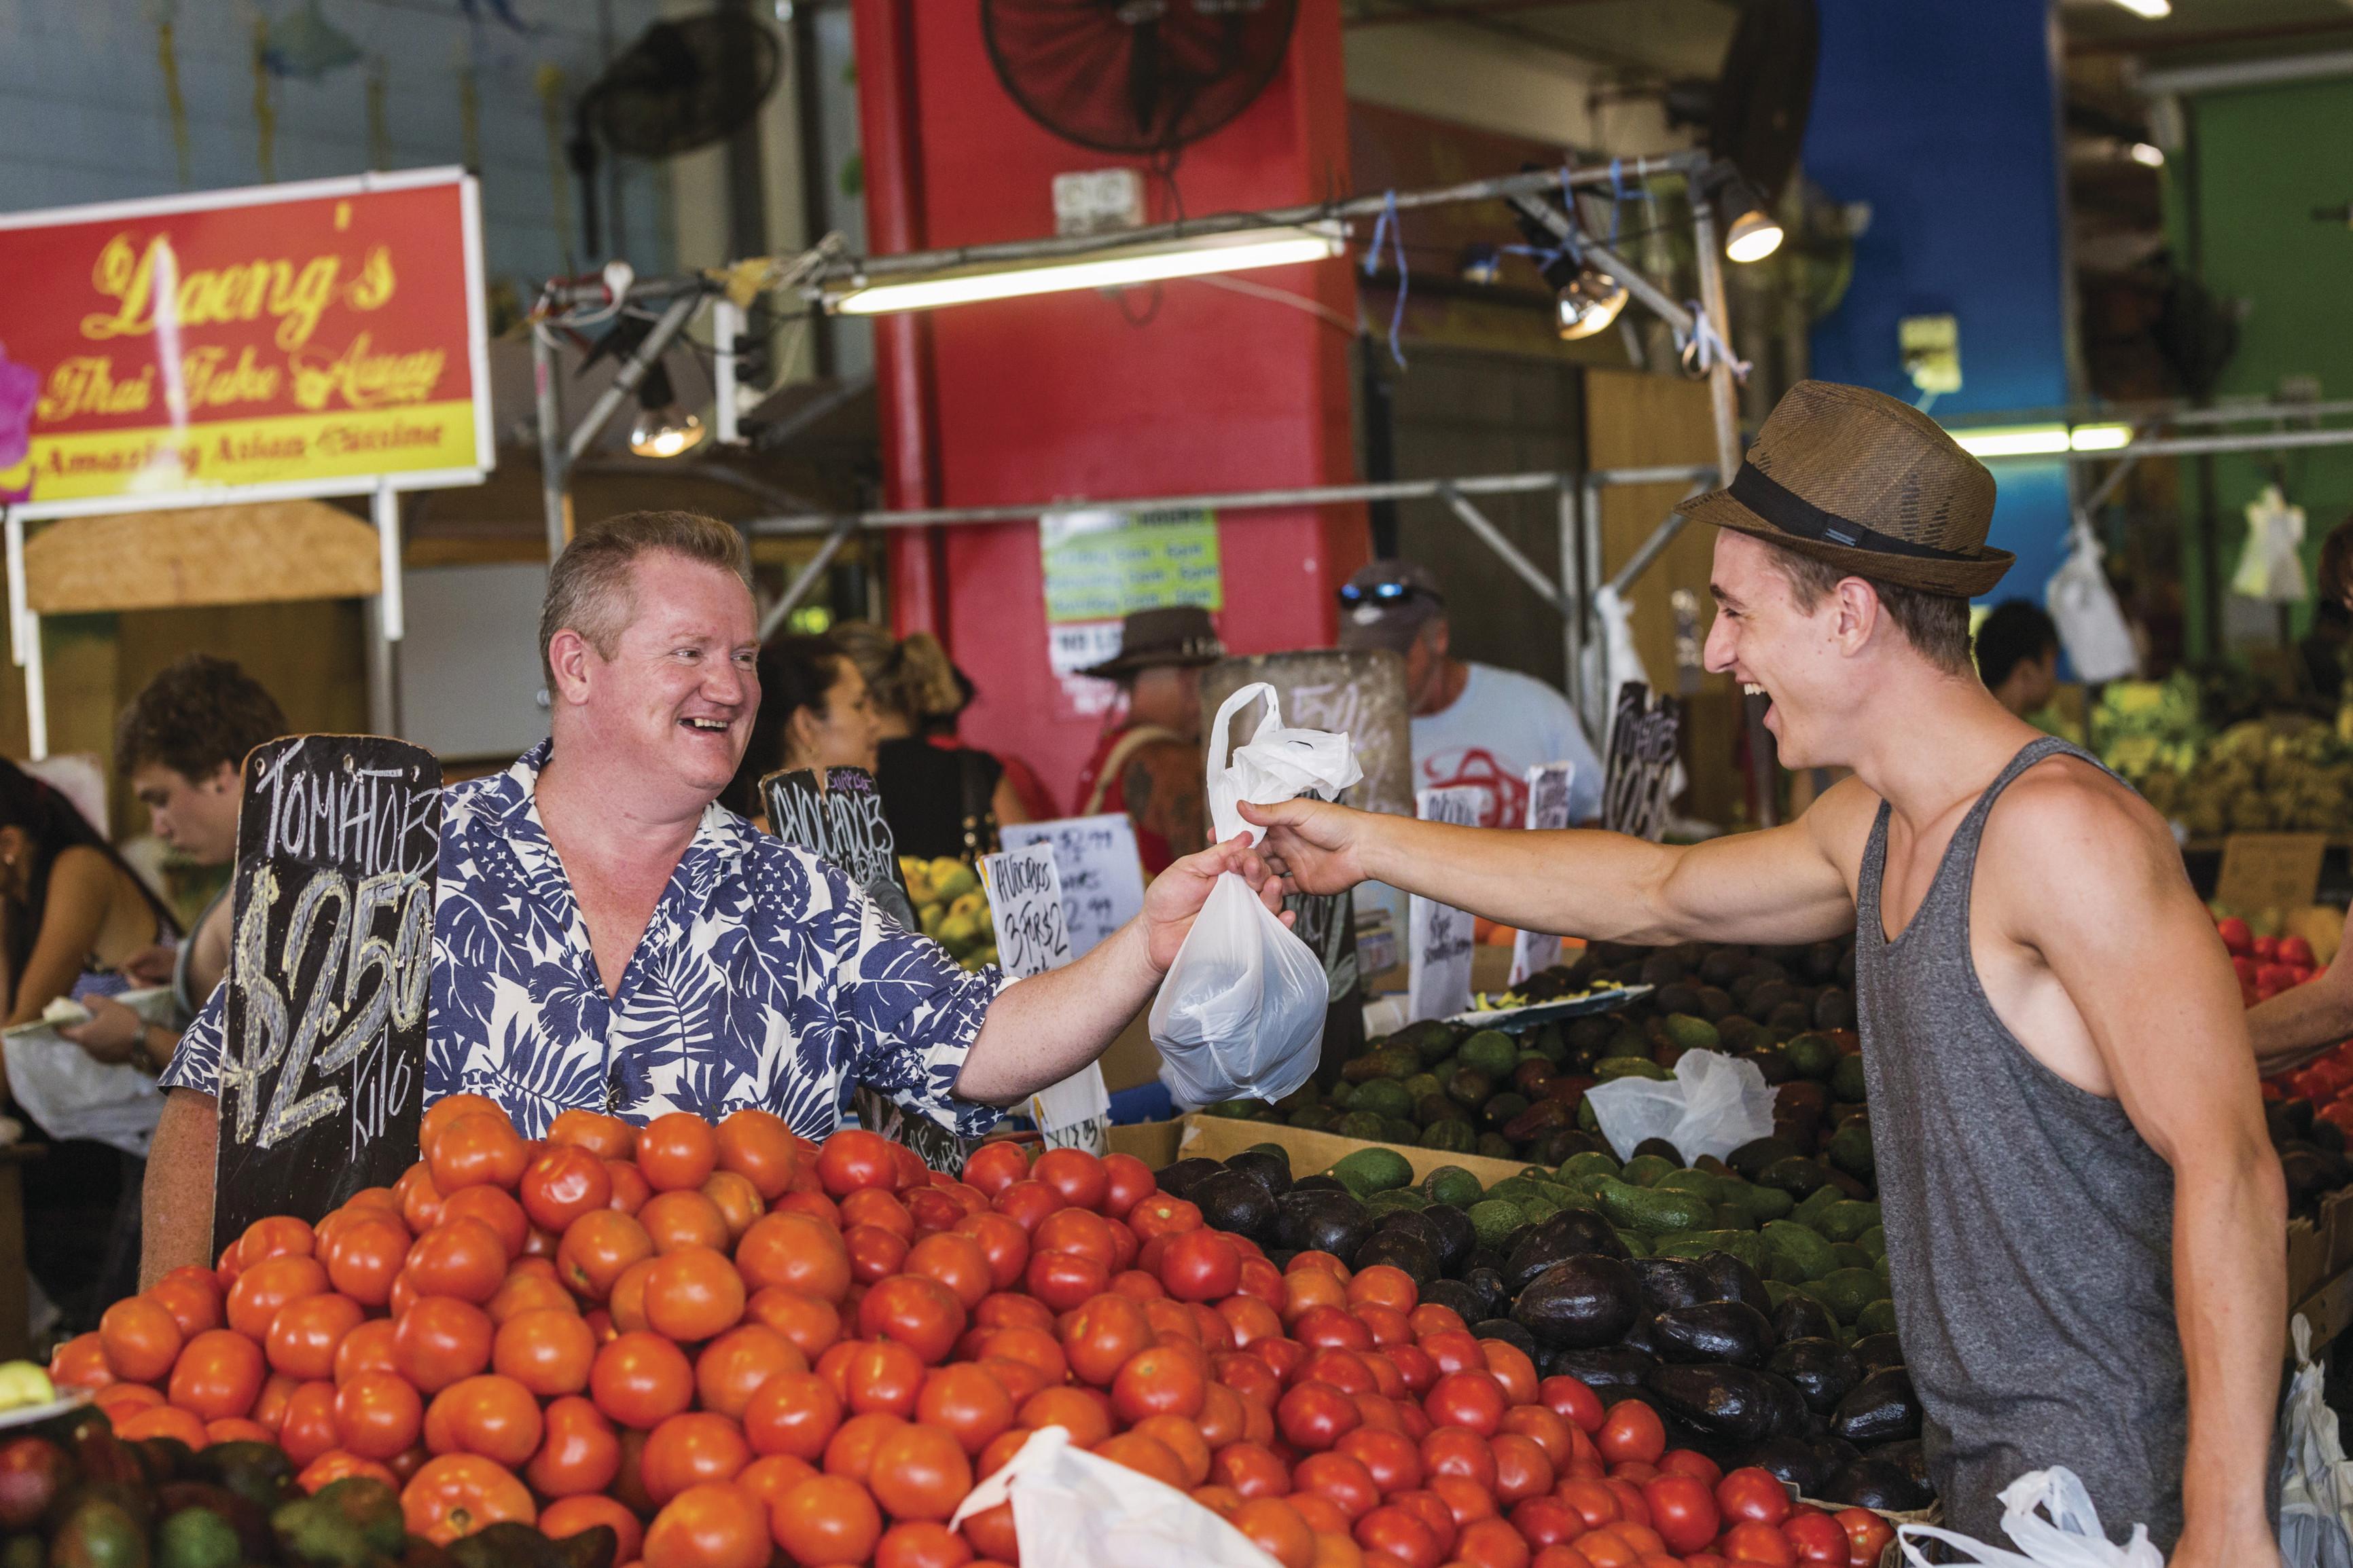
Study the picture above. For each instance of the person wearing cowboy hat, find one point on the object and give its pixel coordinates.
(1148, 762)
(2085, 1220)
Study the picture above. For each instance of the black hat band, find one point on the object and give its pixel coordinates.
(1792, 513)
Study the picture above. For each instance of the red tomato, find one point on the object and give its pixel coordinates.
(1127, 1181)
(1315, 1416)
(1683, 1510)
(1699, 1466)
(1475, 1400)
(1867, 1535)
(1816, 1538)
(1200, 1265)
(1751, 1541)
(1752, 1494)
(997, 1167)
(1631, 1430)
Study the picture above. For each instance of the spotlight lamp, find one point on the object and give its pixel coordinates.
(662, 429)
(1751, 232)
(1587, 303)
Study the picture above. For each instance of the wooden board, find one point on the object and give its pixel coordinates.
(2270, 870)
(322, 1069)
(205, 556)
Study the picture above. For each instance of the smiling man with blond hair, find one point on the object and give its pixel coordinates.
(608, 937)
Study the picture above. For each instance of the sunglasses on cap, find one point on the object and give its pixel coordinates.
(1385, 593)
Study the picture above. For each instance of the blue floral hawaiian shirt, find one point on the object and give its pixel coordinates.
(764, 978)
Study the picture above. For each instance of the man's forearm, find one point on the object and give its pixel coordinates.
(2229, 1273)
(1042, 1030)
(1574, 882)
(177, 1206)
(2301, 1022)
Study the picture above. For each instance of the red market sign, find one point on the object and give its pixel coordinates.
(312, 339)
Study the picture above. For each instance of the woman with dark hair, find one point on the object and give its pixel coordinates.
(815, 712)
(71, 913)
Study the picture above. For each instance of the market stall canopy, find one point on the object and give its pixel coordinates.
(202, 555)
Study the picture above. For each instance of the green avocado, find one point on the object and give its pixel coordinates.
(1363, 1125)
(1539, 1210)
(1611, 1068)
(1495, 1219)
(1732, 1216)
(1874, 1241)
(1635, 1243)
(1812, 1054)
(1316, 1119)
(1384, 1098)
(1453, 1184)
(1745, 1245)
(1847, 1081)
(1877, 1318)
(1765, 1203)
(1849, 1150)
(1430, 1040)
(1591, 1161)
(1689, 1034)
(1850, 1255)
(1797, 1255)
(1450, 1134)
(1370, 1170)
(1644, 1170)
(1394, 1198)
(1847, 1291)
(1400, 1129)
(198, 1538)
(1490, 1051)
(99, 1532)
(1846, 1221)
(1423, 1083)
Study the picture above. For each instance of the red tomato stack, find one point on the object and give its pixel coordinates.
(724, 1342)
(2266, 965)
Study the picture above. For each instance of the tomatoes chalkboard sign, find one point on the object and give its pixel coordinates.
(322, 1071)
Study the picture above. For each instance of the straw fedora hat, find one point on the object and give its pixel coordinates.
(1868, 484)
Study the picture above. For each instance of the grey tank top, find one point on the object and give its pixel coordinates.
(2028, 1226)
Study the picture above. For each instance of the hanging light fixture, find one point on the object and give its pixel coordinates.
(1105, 267)
(662, 429)
(1589, 303)
(1751, 233)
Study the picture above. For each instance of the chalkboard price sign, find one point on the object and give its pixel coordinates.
(322, 1069)
(1638, 779)
(841, 823)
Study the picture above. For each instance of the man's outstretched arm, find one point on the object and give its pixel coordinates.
(1783, 885)
(177, 1203)
(2306, 1020)
(1046, 1027)
(2127, 940)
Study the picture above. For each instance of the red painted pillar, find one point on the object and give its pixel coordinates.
(1186, 388)
(884, 39)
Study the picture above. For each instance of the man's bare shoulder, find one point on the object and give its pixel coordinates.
(1840, 823)
(2067, 827)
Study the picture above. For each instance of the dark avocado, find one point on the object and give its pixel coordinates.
(1482, 1258)
(1581, 1302)
(1311, 1220)
(1908, 1455)
(1798, 1177)
(1466, 1300)
(1729, 1279)
(1671, 1282)
(1453, 1235)
(1401, 1249)
(1882, 1408)
(1730, 1331)
(1751, 1158)
(1639, 1337)
(1414, 1223)
(1825, 1371)
(1801, 1317)
(1177, 1180)
(1606, 1369)
(1660, 1147)
(1565, 1235)
(1319, 1184)
(1792, 1460)
(1735, 1404)
(1489, 1283)
(1235, 1201)
(1509, 1332)
(1878, 1351)
(1876, 1483)
(1271, 1169)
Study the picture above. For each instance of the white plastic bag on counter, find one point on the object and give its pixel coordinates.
(1072, 1509)
(1242, 1007)
(2315, 1528)
(72, 1094)
(1713, 1106)
(2070, 1536)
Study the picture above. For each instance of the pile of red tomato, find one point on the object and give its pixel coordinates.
(2266, 965)
(725, 1342)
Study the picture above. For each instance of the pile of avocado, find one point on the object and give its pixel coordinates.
(73, 1495)
(1754, 1317)
(1471, 1091)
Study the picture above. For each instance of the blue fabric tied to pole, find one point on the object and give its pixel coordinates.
(1391, 228)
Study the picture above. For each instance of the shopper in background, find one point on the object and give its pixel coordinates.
(1148, 762)
(2017, 656)
(2085, 1222)
(815, 712)
(71, 915)
(1473, 724)
(180, 745)
(939, 796)
(2308, 1020)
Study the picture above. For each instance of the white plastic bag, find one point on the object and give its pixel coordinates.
(72, 1094)
(1072, 1509)
(1713, 1105)
(2315, 1527)
(2083, 605)
(2070, 1536)
(2271, 566)
(1243, 1006)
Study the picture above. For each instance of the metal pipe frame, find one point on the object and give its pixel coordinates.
(2194, 446)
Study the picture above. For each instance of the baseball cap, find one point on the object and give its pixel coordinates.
(1387, 603)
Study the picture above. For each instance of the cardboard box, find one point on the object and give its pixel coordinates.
(2307, 1259)
(1132, 1059)
(1215, 1137)
(1154, 1143)
(2334, 1224)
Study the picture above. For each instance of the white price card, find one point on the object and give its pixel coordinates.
(1437, 973)
(1025, 901)
(1548, 795)
(1103, 874)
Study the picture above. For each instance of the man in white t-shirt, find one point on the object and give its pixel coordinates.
(1473, 723)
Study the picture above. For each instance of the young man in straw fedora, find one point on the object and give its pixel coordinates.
(2085, 1219)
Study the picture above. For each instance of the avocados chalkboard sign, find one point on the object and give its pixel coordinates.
(323, 1067)
(840, 822)
(1638, 781)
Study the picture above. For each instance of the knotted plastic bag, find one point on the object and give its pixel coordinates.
(1242, 1007)
(2270, 565)
(1072, 1509)
(1713, 1106)
(2315, 1479)
(2084, 606)
(2070, 1536)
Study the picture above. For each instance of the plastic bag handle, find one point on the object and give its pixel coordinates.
(1219, 753)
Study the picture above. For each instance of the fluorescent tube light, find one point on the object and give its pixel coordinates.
(2152, 9)
(1113, 266)
(2100, 437)
(2013, 441)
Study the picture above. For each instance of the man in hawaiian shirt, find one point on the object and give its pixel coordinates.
(608, 937)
